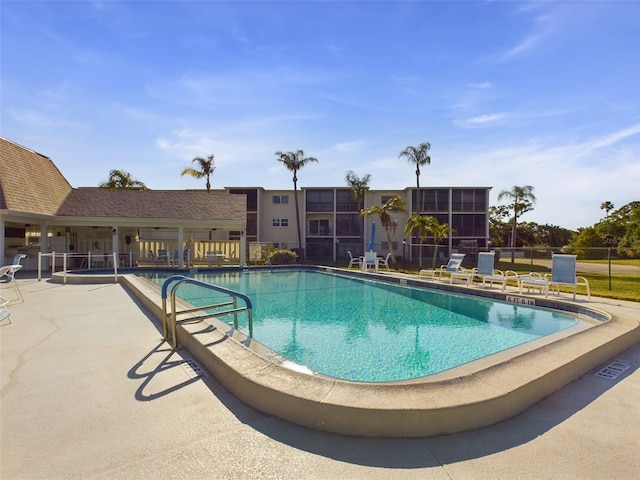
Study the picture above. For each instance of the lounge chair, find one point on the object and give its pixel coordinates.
(454, 265)
(384, 261)
(486, 271)
(353, 261)
(8, 275)
(4, 312)
(563, 273)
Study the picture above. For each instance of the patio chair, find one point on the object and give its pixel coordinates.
(17, 259)
(563, 273)
(353, 261)
(8, 276)
(163, 257)
(370, 260)
(4, 312)
(384, 261)
(454, 265)
(486, 271)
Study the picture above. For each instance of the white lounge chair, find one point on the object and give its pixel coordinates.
(353, 261)
(8, 277)
(5, 315)
(563, 273)
(486, 271)
(454, 265)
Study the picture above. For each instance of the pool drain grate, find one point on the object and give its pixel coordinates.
(614, 369)
(193, 369)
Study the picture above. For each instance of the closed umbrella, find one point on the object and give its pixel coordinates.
(372, 240)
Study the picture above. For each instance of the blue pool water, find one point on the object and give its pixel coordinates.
(361, 330)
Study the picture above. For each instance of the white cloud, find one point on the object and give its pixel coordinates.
(35, 119)
(482, 119)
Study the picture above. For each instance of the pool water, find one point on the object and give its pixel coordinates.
(369, 331)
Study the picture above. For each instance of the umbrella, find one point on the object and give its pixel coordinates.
(372, 240)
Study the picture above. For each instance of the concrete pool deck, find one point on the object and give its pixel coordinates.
(89, 390)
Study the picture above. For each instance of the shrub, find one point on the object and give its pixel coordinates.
(282, 257)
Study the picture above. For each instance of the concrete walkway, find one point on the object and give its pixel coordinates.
(89, 390)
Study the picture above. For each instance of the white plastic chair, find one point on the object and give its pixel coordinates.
(4, 312)
(384, 261)
(370, 260)
(486, 271)
(454, 265)
(563, 273)
(353, 261)
(8, 277)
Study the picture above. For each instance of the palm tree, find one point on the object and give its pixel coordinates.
(438, 231)
(393, 205)
(294, 161)
(419, 224)
(120, 179)
(523, 200)
(607, 207)
(420, 156)
(358, 186)
(205, 169)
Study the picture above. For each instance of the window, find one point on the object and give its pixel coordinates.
(386, 198)
(434, 200)
(280, 199)
(319, 200)
(349, 225)
(319, 227)
(280, 222)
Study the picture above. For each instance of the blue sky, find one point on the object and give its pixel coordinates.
(508, 93)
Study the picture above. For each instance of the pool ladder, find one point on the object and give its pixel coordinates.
(170, 320)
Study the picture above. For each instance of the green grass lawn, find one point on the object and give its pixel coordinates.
(635, 262)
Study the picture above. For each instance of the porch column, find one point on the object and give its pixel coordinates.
(44, 247)
(115, 240)
(243, 248)
(2, 243)
(181, 247)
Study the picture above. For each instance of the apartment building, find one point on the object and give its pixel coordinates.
(331, 222)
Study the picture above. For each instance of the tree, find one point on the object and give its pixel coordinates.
(420, 156)
(607, 207)
(393, 205)
(294, 161)
(205, 169)
(523, 200)
(120, 179)
(439, 231)
(358, 186)
(498, 227)
(420, 224)
(586, 243)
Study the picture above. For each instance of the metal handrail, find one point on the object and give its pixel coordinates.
(169, 319)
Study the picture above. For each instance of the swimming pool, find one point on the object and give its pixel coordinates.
(473, 395)
(372, 331)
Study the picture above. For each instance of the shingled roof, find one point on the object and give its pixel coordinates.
(96, 203)
(31, 184)
(29, 181)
